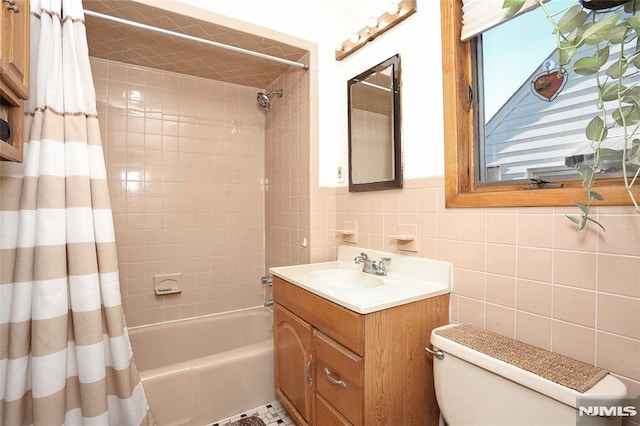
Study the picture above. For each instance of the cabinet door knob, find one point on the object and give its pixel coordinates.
(332, 380)
(307, 371)
(13, 7)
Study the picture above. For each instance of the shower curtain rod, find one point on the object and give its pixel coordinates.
(196, 39)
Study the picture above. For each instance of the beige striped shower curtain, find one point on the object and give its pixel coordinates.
(65, 357)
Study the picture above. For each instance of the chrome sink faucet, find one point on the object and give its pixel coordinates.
(370, 266)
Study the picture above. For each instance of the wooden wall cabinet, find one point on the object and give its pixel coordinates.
(337, 367)
(14, 73)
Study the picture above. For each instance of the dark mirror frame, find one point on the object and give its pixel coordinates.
(396, 182)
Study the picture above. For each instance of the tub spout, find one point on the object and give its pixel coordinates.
(268, 303)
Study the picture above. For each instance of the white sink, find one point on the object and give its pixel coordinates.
(408, 279)
(344, 279)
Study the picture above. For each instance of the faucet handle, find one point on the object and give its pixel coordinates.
(363, 258)
(381, 267)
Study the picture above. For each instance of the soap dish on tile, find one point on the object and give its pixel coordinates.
(167, 284)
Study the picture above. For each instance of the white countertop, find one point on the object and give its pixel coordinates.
(409, 279)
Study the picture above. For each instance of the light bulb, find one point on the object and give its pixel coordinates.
(372, 22)
(355, 37)
(393, 8)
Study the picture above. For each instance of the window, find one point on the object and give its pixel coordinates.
(470, 180)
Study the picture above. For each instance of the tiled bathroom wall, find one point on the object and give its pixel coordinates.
(525, 273)
(287, 170)
(372, 154)
(190, 161)
(185, 163)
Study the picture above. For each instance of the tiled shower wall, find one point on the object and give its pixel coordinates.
(185, 162)
(525, 273)
(287, 165)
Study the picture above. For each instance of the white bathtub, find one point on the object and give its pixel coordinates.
(201, 370)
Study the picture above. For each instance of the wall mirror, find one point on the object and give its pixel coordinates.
(375, 160)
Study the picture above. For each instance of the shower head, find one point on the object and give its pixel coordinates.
(264, 99)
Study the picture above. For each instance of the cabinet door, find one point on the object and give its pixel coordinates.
(14, 63)
(294, 372)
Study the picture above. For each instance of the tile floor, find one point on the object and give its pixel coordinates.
(272, 414)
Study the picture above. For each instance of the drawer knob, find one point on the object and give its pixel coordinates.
(332, 380)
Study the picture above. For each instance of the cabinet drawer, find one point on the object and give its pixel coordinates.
(339, 378)
(326, 415)
(343, 325)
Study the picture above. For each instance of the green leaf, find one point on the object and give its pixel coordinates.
(585, 172)
(586, 66)
(582, 207)
(633, 21)
(636, 61)
(626, 115)
(635, 55)
(573, 219)
(601, 56)
(634, 157)
(596, 195)
(600, 30)
(512, 7)
(567, 51)
(617, 69)
(571, 20)
(619, 33)
(596, 130)
(609, 91)
(610, 154)
(631, 96)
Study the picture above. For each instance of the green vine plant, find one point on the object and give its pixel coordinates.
(618, 91)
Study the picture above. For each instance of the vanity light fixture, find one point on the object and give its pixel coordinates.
(395, 13)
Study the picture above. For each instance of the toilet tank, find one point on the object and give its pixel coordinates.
(476, 389)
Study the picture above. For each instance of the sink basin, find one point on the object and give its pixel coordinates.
(344, 278)
(409, 279)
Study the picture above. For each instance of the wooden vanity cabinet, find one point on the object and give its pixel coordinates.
(14, 73)
(367, 369)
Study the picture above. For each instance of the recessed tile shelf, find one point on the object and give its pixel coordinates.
(403, 237)
(349, 232)
(407, 237)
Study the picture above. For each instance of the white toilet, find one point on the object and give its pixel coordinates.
(476, 389)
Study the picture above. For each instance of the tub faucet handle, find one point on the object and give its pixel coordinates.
(267, 280)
